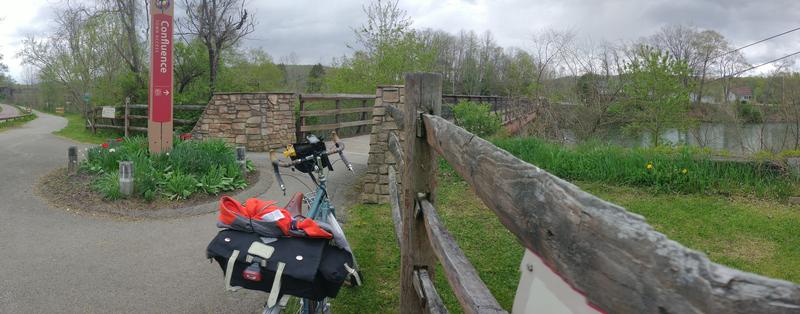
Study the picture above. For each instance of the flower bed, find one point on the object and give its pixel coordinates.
(191, 167)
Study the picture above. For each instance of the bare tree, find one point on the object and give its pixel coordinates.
(129, 44)
(219, 24)
(386, 23)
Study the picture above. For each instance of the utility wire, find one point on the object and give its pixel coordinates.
(757, 42)
(757, 66)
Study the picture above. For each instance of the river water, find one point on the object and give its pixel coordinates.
(741, 140)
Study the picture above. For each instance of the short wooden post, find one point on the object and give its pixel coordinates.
(126, 177)
(72, 160)
(363, 116)
(127, 112)
(240, 159)
(423, 95)
(301, 121)
(336, 116)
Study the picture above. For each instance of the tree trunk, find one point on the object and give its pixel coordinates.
(212, 71)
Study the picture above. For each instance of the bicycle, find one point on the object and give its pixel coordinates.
(319, 205)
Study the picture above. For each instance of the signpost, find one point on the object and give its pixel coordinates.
(159, 123)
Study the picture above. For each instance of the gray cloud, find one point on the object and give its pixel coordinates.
(317, 31)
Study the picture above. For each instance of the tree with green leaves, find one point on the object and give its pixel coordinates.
(315, 78)
(656, 97)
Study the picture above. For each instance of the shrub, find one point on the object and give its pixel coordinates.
(749, 113)
(477, 118)
(180, 185)
(680, 169)
(173, 175)
(107, 184)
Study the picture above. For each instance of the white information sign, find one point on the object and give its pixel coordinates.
(109, 112)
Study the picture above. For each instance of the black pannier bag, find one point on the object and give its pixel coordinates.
(312, 145)
(308, 267)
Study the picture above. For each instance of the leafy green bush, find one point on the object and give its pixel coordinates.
(107, 184)
(192, 166)
(179, 185)
(749, 113)
(681, 169)
(477, 118)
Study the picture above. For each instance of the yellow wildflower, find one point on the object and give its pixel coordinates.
(649, 166)
(685, 171)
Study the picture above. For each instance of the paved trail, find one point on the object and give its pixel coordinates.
(55, 261)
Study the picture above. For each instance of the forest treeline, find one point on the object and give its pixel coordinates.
(99, 49)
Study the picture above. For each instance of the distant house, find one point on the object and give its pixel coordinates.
(738, 94)
(706, 99)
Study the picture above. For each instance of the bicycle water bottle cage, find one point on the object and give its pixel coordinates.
(310, 146)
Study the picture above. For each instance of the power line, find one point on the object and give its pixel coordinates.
(760, 65)
(757, 42)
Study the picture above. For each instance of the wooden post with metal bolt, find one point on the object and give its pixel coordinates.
(72, 160)
(241, 159)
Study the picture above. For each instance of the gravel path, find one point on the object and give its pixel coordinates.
(54, 260)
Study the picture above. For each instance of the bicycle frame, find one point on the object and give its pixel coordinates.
(321, 206)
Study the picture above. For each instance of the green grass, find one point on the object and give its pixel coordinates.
(5, 125)
(491, 248)
(76, 130)
(682, 170)
(760, 236)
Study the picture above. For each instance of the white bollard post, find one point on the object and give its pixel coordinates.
(126, 177)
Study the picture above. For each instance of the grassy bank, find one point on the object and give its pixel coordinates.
(489, 246)
(682, 170)
(758, 235)
(76, 130)
(8, 124)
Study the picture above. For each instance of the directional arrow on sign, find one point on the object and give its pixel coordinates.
(166, 92)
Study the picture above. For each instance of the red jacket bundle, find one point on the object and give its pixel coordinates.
(268, 220)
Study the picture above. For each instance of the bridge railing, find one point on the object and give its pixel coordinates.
(611, 257)
(342, 111)
(508, 108)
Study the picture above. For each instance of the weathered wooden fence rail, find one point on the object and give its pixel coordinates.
(122, 121)
(612, 257)
(364, 109)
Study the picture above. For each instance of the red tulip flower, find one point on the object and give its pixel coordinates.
(105, 145)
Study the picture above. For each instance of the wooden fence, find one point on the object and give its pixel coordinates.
(94, 119)
(612, 257)
(302, 126)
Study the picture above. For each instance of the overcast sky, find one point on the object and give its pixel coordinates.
(318, 30)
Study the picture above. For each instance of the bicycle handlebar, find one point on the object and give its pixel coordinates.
(276, 162)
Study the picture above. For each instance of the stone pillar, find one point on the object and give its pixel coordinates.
(257, 121)
(376, 182)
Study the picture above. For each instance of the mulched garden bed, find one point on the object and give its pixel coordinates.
(74, 193)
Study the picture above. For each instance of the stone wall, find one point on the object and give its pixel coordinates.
(257, 121)
(376, 182)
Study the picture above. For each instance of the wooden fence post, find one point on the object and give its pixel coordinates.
(127, 112)
(336, 116)
(363, 116)
(423, 95)
(301, 121)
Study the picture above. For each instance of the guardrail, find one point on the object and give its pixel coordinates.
(611, 258)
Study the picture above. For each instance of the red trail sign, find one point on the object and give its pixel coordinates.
(159, 125)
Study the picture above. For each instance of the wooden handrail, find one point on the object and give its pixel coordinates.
(319, 113)
(315, 97)
(471, 292)
(394, 201)
(599, 248)
(334, 126)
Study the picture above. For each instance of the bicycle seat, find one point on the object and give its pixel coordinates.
(295, 205)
